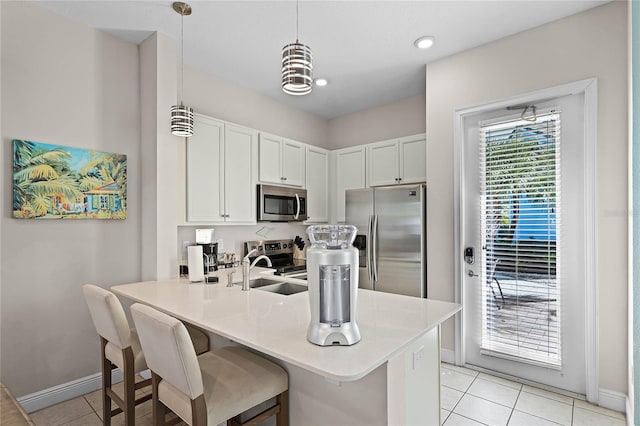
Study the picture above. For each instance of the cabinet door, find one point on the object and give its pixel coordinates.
(317, 179)
(350, 174)
(293, 164)
(269, 167)
(382, 163)
(240, 180)
(205, 152)
(413, 159)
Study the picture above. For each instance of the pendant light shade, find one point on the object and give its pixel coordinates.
(181, 115)
(182, 120)
(297, 69)
(297, 66)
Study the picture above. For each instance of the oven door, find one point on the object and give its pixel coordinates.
(279, 204)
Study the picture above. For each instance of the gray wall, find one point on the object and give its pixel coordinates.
(590, 44)
(67, 84)
(225, 100)
(397, 119)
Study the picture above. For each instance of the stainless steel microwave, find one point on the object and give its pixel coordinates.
(281, 204)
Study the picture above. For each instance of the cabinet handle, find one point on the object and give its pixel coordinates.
(283, 178)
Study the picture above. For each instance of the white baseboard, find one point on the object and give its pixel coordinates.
(448, 356)
(60, 393)
(612, 400)
(629, 411)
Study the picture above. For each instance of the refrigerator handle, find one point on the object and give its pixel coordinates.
(374, 249)
(369, 234)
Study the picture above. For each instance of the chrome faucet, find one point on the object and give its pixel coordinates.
(246, 267)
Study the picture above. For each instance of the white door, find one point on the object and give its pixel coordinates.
(522, 227)
(317, 180)
(240, 182)
(412, 154)
(293, 163)
(382, 163)
(270, 169)
(205, 169)
(350, 174)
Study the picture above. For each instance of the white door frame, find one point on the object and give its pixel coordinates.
(590, 90)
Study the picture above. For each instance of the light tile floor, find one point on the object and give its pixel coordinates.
(472, 398)
(467, 398)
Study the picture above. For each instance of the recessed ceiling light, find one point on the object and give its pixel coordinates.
(321, 82)
(424, 42)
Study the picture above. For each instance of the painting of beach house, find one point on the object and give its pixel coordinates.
(61, 182)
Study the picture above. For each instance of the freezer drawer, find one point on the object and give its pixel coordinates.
(401, 277)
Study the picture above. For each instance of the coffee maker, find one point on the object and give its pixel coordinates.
(210, 256)
(332, 278)
(204, 238)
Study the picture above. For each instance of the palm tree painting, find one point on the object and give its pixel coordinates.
(53, 182)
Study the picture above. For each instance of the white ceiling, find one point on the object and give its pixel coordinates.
(364, 48)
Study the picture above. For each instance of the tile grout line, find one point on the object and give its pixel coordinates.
(514, 405)
(573, 409)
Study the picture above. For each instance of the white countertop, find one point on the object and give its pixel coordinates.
(276, 325)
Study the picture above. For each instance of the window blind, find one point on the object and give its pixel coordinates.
(520, 185)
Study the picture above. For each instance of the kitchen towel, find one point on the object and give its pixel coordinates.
(196, 266)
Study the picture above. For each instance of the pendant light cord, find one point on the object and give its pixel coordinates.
(297, 4)
(182, 54)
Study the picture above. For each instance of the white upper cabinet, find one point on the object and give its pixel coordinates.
(282, 161)
(317, 179)
(413, 158)
(205, 170)
(240, 177)
(397, 161)
(350, 174)
(221, 178)
(382, 162)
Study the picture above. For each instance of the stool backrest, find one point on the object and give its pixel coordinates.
(108, 316)
(168, 349)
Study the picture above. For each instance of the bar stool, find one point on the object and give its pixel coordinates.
(211, 388)
(120, 347)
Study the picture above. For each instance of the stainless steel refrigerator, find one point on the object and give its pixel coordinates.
(391, 237)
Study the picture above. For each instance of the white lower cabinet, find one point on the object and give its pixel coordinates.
(221, 172)
(317, 178)
(350, 174)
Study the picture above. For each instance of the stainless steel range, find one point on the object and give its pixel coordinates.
(280, 252)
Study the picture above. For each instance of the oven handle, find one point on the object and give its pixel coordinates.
(297, 207)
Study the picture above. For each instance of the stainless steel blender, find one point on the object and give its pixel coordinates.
(332, 277)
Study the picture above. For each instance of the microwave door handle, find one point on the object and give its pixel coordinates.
(297, 207)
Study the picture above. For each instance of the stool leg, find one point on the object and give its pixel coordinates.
(106, 384)
(158, 409)
(129, 387)
(282, 418)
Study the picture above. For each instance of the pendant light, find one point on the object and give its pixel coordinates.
(297, 66)
(181, 115)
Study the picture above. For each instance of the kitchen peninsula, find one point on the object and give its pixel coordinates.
(391, 377)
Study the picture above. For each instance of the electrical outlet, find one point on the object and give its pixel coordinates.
(185, 244)
(418, 356)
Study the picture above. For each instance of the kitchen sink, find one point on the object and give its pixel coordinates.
(260, 282)
(273, 286)
(284, 288)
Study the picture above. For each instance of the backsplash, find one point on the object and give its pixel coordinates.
(233, 236)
